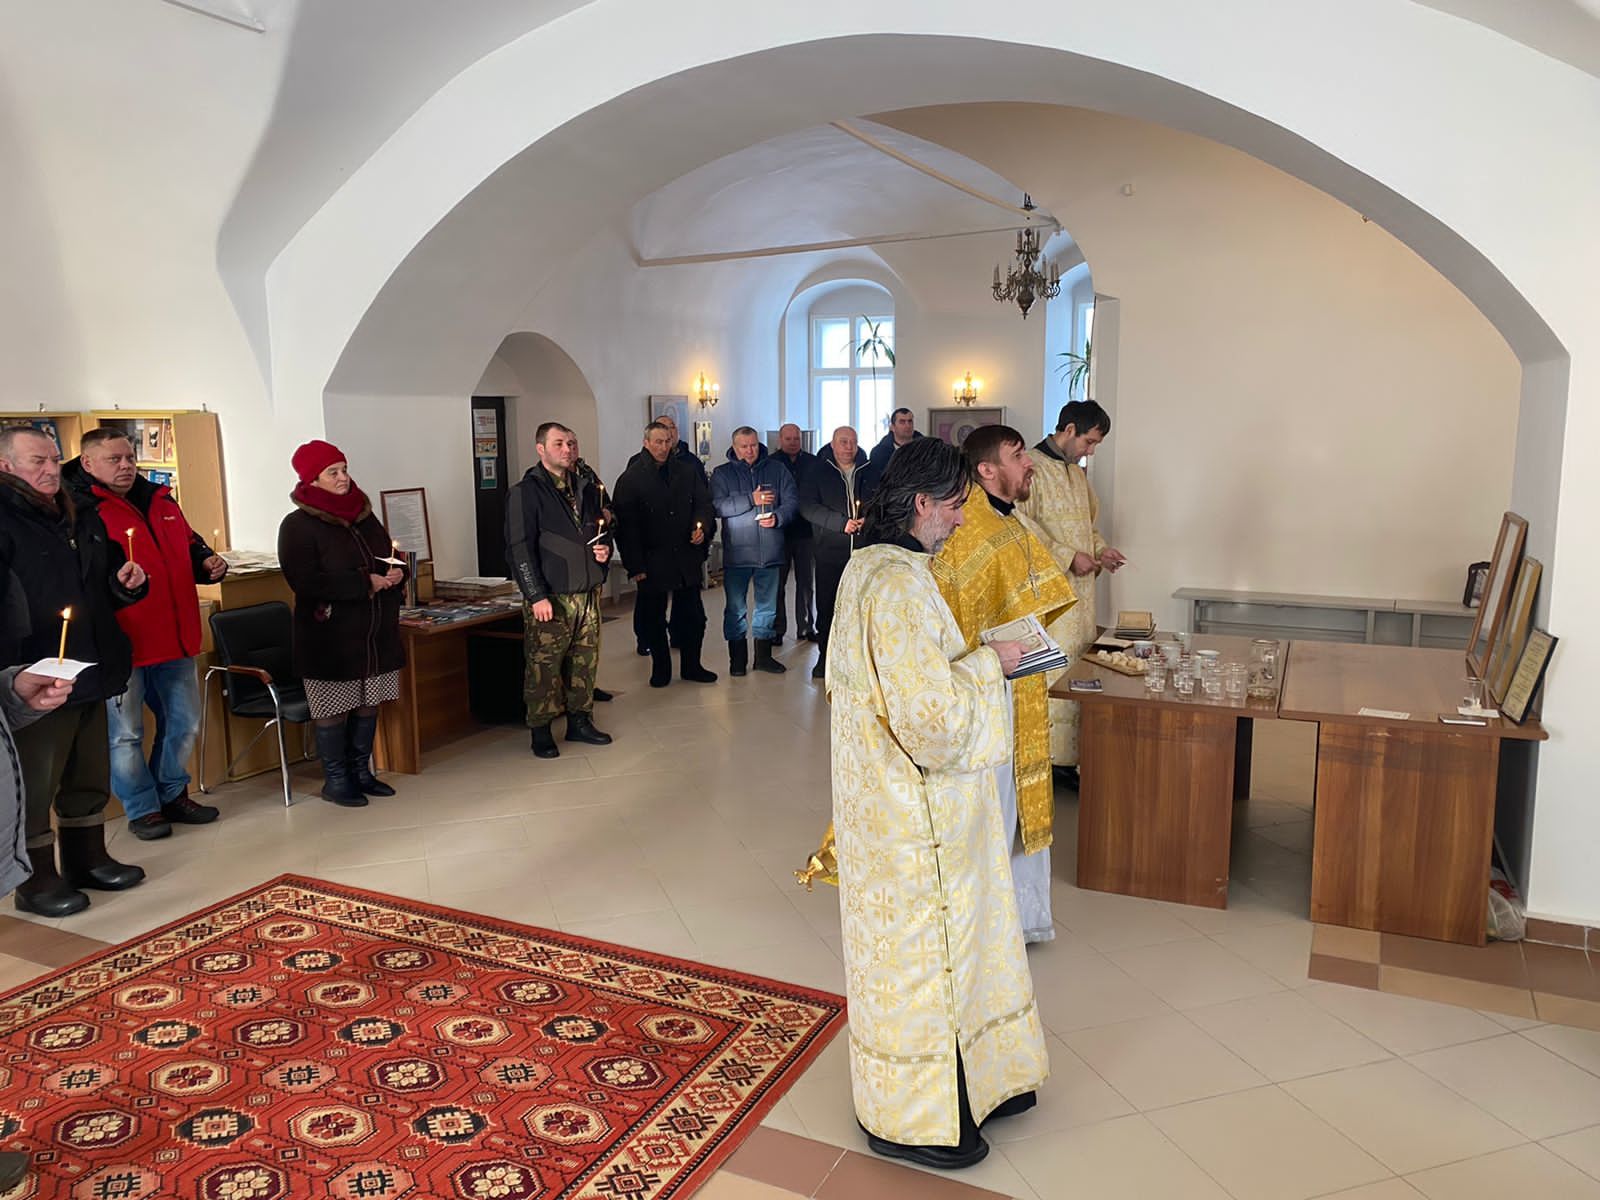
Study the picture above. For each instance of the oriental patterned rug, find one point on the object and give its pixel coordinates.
(305, 1039)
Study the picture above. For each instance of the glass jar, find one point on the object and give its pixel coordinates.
(1264, 669)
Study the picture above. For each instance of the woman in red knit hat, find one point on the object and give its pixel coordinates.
(347, 645)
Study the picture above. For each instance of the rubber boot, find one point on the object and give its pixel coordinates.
(738, 656)
(338, 784)
(580, 728)
(690, 667)
(44, 893)
(363, 731)
(765, 661)
(85, 863)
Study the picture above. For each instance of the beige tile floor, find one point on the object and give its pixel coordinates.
(1191, 1055)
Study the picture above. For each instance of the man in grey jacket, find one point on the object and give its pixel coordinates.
(24, 698)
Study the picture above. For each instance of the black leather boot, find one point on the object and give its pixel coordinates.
(660, 665)
(738, 656)
(338, 784)
(363, 732)
(543, 742)
(580, 728)
(44, 893)
(765, 661)
(690, 666)
(602, 696)
(85, 863)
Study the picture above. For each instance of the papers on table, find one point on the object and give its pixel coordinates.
(1387, 713)
(1039, 653)
(58, 668)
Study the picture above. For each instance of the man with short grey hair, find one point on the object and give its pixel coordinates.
(797, 545)
(755, 497)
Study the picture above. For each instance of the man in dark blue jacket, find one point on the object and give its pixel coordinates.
(755, 497)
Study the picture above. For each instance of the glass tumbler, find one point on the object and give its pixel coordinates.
(1234, 680)
(1472, 693)
(1183, 682)
(1155, 678)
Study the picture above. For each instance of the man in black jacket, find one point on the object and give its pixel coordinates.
(56, 557)
(664, 527)
(797, 544)
(832, 496)
(557, 547)
(680, 453)
(902, 432)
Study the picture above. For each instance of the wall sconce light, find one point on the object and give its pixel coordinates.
(965, 391)
(707, 393)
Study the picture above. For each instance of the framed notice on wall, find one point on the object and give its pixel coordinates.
(405, 516)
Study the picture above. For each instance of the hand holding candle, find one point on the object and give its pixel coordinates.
(130, 542)
(699, 534)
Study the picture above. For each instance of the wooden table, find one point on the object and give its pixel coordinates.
(435, 704)
(1404, 808)
(1157, 781)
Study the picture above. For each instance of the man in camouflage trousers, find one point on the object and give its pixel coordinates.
(557, 545)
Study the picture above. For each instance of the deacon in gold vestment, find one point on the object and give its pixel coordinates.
(944, 1032)
(1063, 509)
(993, 570)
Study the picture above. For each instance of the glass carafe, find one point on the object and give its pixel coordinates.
(1264, 669)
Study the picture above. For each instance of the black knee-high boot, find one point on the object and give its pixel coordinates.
(85, 863)
(363, 732)
(45, 893)
(333, 748)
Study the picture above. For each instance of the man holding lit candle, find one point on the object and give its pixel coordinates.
(664, 526)
(56, 556)
(832, 496)
(558, 545)
(755, 497)
(164, 630)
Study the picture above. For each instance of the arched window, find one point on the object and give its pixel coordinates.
(849, 343)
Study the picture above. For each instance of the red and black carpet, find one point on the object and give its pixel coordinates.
(306, 1040)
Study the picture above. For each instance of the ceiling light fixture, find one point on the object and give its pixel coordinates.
(1031, 277)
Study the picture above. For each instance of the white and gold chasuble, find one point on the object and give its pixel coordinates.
(1062, 509)
(933, 947)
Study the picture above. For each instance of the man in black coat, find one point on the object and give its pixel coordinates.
(832, 496)
(56, 555)
(680, 453)
(664, 527)
(797, 542)
(902, 432)
(557, 548)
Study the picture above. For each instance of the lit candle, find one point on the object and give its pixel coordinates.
(66, 615)
(130, 543)
(216, 537)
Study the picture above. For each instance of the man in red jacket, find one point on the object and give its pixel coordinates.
(164, 628)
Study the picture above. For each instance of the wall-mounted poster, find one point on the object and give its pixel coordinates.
(676, 407)
(953, 424)
(488, 474)
(405, 516)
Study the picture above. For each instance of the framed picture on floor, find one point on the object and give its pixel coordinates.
(953, 424)
(1503, 566)
(676, 407)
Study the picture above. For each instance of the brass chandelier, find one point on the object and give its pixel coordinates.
(1030, 278)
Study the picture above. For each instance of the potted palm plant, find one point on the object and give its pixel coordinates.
(1075, 368)
(872, 348)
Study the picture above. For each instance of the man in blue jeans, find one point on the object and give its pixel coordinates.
(755, 497)
(164, 628)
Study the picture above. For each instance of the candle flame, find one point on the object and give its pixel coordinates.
(66, 613)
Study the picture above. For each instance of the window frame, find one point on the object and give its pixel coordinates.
(855, 372)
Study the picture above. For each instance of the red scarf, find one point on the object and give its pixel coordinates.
(347, 508)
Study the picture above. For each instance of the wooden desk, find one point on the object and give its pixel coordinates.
(1157, 783)
(1404, 808)
(435, 704)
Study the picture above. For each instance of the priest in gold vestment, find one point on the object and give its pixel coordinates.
(993, 570)
(1063, 508)
(944, 1032)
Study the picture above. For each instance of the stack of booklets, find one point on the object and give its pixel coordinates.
(1040, 651)
(1135, 625)
(475, 588)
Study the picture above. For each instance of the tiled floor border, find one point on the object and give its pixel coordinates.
(1537, 981)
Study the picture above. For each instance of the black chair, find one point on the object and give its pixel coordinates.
(258, 680)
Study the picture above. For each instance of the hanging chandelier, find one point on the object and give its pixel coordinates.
(1029, 278)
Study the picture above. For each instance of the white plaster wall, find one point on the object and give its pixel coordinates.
(1304, 404)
